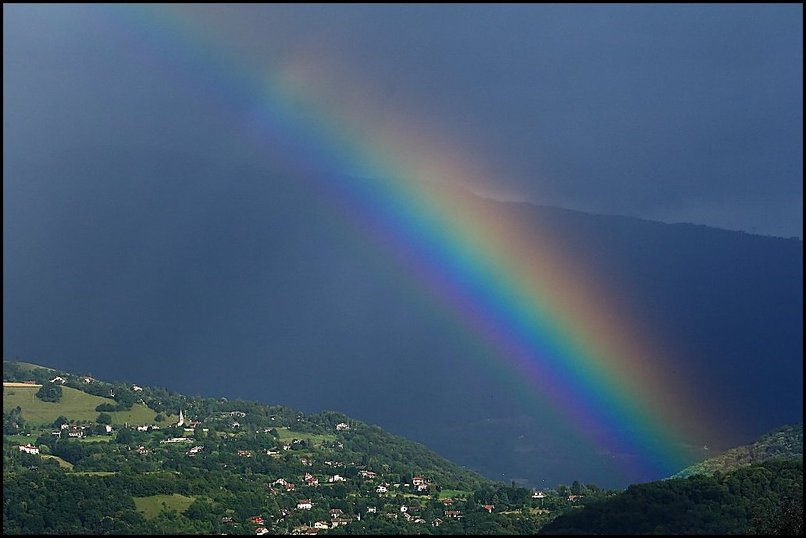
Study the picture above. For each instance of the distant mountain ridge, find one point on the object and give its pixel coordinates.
(207, 272)
(783, 443)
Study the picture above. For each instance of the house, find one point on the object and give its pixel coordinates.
(372, 509)
(538, 495)
(335, 512)
(342, 426)
(290, 486)
(76, 432)
(418, 480)
(366, 474)
(489, 508)
(136, 388)
(447, 501)
(142, 450)
(195, 450)
(87, 379)
(381, 489)
(172, 440)
(30, 449)
(422, 488)
(280, 482)
(306, 462)
(257, 520)
(58, 379)
(574, 498)
(453, 513)
(245, 453)
(304, 504)
(321, 525)
(311, 480)
(339, 521)
(336, 478)
(261, 530)
(437, 522)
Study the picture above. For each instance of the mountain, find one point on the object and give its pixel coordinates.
(149, 461)
(783, 443)
(753, 489)
(248, 281)
(85, 456)
(765, 498)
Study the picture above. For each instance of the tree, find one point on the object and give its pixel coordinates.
(104, 418)
(124, 436)
(49, 392)
(59, 421)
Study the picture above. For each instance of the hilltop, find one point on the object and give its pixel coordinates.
(752, 489)
(783, 443)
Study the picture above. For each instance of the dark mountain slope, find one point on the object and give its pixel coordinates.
(230, 279)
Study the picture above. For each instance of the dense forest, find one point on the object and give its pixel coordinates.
(764, 498)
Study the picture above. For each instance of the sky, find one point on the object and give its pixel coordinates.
(272, 202)
(677, 113)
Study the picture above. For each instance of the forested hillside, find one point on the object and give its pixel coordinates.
(784, 442)
(764, 498)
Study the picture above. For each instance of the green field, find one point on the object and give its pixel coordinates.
(74, 404)
(96, 473)
(287, 435)
(151, 506)
(453, 494)
(62, 463)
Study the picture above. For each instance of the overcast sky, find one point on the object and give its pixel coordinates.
(681, 113)
(178, 208)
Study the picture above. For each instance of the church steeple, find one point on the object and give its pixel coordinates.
(181, 419)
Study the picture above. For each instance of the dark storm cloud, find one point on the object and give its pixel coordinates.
(151, 233)
(681, 113)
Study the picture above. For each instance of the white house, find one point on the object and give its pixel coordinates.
(30, 449)
(342, 426)
(304, 504)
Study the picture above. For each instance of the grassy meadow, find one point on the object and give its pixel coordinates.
(151, 506)
(74, 404)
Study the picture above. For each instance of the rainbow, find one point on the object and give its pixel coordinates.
(561, 339)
